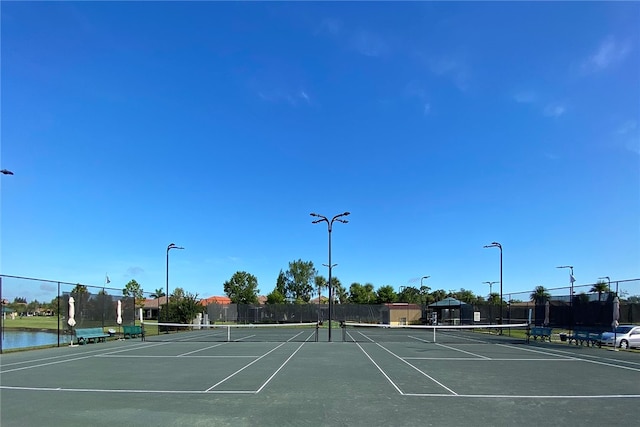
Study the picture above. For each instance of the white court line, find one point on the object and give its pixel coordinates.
(417, 369)
(100, 390)
(629, 362)
(202, 349)
(380, 369)
(464, 351)
(244, 367)
(577, 358)
(153, 356)
(22, 362)
(508, 396)
(475, 359)
(279, 369)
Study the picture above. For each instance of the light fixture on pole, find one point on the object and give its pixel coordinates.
(171, 246)
(6, 172)
(499, 246)
(571, 280)
(322, 218)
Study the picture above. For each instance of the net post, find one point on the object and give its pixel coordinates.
(434, 334)
(343, 325)
(228, 333)
(317, 329)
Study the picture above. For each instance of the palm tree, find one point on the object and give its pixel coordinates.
(540, 295)
(158, 293)
(600, 287)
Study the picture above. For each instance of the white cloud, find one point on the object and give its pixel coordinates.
(289, 97)
(554, 110)
(427, 109)
(525, 97)
(630, 135)
(368, 44)
(456, 70)
(609, 52)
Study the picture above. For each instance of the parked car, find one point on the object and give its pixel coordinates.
(626, 336)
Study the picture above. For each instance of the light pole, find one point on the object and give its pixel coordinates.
(423, 299)
(498, 245)
(571, 280)
(490, 300)
(171, 246)
(322, 218)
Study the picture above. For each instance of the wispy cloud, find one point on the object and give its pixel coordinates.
(525, 97)
(609, 52)
(554, 110)
(417, 90)
(454, 69)
(292, 98)
(368, 44)
(134, 271)
(630, 135)
(363, 41)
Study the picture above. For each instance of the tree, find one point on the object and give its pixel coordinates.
(321, 283)
(466, 296)
(540, 295)
(133, 289)
(276, 297)
(185, 309)
(439, 295)
(281, 284)
(359, 294)
(158, 293)
(19, 300)
(340, 294)
(409, 294)
(494, 298)
(242, 288)
(386, 294)
(300, 280)
(177, 294)
(600, 287)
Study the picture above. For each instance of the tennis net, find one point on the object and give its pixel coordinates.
(441, 334)
(272, 332)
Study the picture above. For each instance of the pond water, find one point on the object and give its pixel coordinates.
(23, 339)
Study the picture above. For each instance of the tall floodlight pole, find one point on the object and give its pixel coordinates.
(171, 246)
(322, 218)
(499, 246)
(571, 280)
(423, 300)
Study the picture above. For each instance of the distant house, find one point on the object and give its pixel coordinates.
(215, 300)
(151, 307)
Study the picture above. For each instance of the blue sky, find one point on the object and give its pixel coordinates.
(218, 126)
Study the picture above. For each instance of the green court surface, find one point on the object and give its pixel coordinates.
(308, 383)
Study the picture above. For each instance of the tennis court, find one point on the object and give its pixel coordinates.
(290, 379)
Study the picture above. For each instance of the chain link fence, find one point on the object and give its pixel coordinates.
(96, 306)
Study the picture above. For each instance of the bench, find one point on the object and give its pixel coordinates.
(585, 338)
(541, 332)
(132, 331)
(86, 335)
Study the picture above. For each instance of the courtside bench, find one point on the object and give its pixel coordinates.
(86, 335)
(587, 338)
(132, 331)
(540, 332)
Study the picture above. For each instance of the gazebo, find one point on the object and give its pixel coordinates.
(451, 311)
